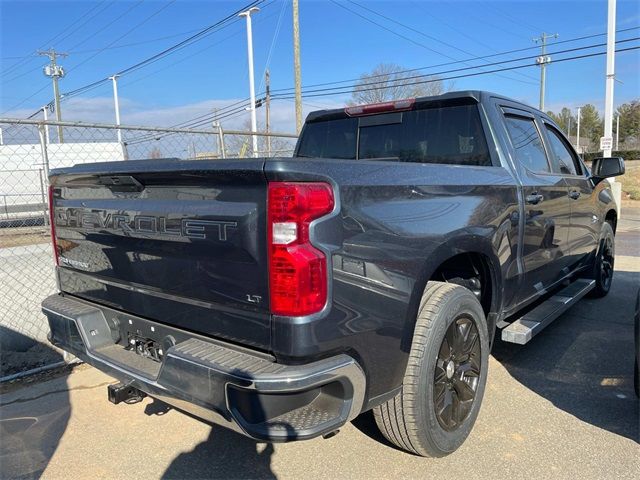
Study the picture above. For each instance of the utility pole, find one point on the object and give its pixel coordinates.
(55, 71)
(252, 90)
(578, 131)
(46, 125)
(542, 60)
(116, 105)
(267, 84)
(618, 132)
(296, 67)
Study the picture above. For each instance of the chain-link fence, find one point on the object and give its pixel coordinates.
(29, 149)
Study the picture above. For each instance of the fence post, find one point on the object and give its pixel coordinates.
(221, 141)
(43, 198)
(42, 134)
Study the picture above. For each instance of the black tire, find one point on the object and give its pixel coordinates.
(603, 264)
(409, 420)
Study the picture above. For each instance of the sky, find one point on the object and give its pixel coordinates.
(339, 41)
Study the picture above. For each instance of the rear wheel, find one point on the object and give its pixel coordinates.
(446, 374)
(604, 262)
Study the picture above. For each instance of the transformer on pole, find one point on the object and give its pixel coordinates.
(542, 60)
(55, 71)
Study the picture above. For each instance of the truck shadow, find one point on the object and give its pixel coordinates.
(583, 362)
(225, 455)
(30, 428)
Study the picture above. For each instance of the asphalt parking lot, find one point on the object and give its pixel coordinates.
(562, 406)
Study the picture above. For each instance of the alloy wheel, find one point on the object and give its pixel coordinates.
(457, 373)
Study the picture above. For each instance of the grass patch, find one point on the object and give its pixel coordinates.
(631, 181)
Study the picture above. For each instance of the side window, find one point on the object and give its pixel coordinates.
(564, 157)
(527, 143)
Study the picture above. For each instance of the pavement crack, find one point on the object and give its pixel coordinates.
(24, 400)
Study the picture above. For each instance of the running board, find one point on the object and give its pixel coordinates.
(533, 322)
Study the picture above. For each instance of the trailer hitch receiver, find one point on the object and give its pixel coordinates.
(121, 392)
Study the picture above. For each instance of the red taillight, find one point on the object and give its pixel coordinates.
(52, 224)
(395, 106)
(297, 270)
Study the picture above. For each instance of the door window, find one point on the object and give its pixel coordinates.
(527, 143)
(565, 160)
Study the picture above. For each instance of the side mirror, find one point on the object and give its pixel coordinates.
(605, 167)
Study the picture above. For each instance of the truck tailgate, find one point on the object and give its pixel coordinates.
(179, 242)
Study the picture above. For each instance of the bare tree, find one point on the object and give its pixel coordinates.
(241, 145)
(388, 81)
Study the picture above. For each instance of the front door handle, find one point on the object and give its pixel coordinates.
(534, 198)
(574, 194)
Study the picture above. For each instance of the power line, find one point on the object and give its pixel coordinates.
(454, 77)
(332, 92)
(431, 78)
(167, 51)
(132, 29)
(259, 20)
(276, 33)
(82, 41)
(55, 37)
(134, 44)
(513, 20)
(205, 118)
(431, 37)
(410, 70)
(398, 34)
(104, 27)
(203, 33)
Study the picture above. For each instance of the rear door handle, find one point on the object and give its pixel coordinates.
(574, 194)
(534, 198)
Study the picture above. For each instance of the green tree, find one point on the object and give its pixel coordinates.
(629, 123)
(387, 81)
(591, 126)
(564, 119)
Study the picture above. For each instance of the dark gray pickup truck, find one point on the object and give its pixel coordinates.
(282, 297)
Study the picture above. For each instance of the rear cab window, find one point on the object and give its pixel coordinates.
(444, 134)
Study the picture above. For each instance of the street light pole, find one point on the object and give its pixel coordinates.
(252, 91)
(296, 67)
(608, 98)
(116, 104)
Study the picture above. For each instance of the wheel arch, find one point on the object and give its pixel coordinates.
(459, 252)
